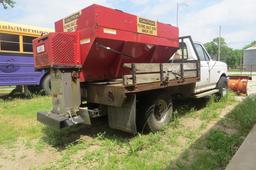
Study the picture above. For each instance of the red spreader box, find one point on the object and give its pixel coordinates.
(100, 40)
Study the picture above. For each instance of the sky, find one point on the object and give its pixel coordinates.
(199, 18)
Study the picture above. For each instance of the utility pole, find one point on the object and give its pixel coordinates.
(177, 14)
(219, 43)
(178, 7)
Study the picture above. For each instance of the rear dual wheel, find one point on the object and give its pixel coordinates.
(157, 113)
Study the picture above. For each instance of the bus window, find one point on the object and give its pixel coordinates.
(9, 42)
(27, 43)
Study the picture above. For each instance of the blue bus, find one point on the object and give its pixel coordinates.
(16, 57)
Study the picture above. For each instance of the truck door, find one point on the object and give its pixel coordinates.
(214, 70)
(204, 82)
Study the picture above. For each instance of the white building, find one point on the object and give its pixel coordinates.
(249, 59)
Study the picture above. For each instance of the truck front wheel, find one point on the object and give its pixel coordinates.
(159, 114)
(222, 86)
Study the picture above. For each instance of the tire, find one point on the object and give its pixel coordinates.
(159, 114)
(46, 84)
(222, 86)
(34, 89)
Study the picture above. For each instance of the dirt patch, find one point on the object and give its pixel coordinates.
(225, 129)
(227, 126)
(223, 113)
(227, 109)
(192, 123)
(195, 123)
(182, 141)
(79, 155)
(23, 158)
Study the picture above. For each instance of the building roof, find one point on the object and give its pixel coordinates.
(251, 48)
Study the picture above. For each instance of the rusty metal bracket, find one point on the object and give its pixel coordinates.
(133, 74)
(161, 72)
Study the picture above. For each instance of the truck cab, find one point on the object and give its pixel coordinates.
(211, 71)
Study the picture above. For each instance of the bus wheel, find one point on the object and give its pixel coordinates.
(160, 113)
(34, 89)
(46, 84)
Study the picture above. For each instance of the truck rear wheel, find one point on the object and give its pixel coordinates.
(222, 86)
(159, 114)
(46, 84)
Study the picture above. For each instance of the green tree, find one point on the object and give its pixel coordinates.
(212, 47)
(230, 56)
(7, 3)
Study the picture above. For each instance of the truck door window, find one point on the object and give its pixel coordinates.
(201, 53)
(184, 50)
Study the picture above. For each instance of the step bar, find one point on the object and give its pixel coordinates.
(207, 93)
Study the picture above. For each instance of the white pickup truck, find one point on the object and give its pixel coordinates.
(141, 99)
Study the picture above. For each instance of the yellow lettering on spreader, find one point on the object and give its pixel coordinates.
(70, 23)
(146, 26)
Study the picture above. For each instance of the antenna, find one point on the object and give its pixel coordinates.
(219, 43)
(177, 14)
(179, 6)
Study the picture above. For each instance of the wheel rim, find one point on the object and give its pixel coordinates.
(160, 110)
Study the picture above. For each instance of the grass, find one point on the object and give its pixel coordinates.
(239, 73)
(216, 148)
(17, 118)
(6, 89)
(179, 146)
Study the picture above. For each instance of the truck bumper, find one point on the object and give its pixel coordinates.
(58, 122)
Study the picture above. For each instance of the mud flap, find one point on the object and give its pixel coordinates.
(124, 118)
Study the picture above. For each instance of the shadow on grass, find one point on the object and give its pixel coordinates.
(215, 148)
(17, 94)
(62, 138)
(191, 104)
(13, 96)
